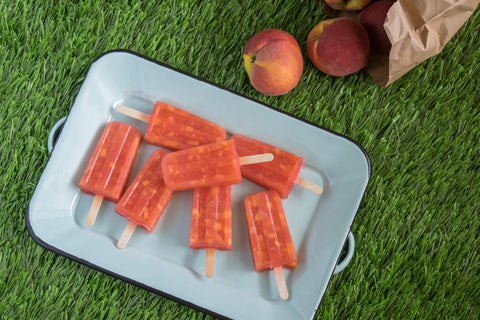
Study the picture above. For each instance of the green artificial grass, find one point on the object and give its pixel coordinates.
(417, 229)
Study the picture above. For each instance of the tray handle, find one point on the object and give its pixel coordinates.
(351, 247)
(54, 132)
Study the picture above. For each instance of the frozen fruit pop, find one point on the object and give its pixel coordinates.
(110, 165)
(211, 165)
(145, 199)
(280, 174)
(271, 244)
(176, 129)
(211, 222)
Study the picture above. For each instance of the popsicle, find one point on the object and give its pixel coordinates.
(211, 223)
(271, 244)
(175, 129)
(145, 199)
(280, 174)
(109, 167)
(211, 165)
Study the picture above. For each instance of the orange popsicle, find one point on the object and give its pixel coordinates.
(176, 129)
(109, 167)
(211, 223)
(144, 201)
(271, 244)
(211, 165)
(280, 174)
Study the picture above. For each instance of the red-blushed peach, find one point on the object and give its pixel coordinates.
(372, 19)
(273, 61)
(349, 5)
(338, 46)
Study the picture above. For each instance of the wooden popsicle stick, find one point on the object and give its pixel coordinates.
(256, 158)
(133, 113)
(210, 262)
(308, 185)
(282, 286)
(92, 214)
(127, 233)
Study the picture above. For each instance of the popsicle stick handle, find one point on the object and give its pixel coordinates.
(127, 233)
(210, 262)
(133, 113)
(282, 286)
(92, 214)
(256, 158)
(308, 185)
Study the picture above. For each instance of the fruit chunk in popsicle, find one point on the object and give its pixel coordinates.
(211, 165)
(109, 167)
(146, 197)
(211, 222)
(176, 129)
(271, 244)
(280, 174)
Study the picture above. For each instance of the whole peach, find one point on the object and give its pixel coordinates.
(347, 4)
(338, 46)
(273, 61)
(372, 19)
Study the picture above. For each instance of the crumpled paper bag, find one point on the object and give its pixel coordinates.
(418, 30)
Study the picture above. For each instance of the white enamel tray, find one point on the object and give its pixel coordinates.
(162, 262)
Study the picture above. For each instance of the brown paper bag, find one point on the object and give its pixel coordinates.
(418, 30)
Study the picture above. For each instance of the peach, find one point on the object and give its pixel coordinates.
(338, 46)
(349, 5)
(273, 61)
(372, 19)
